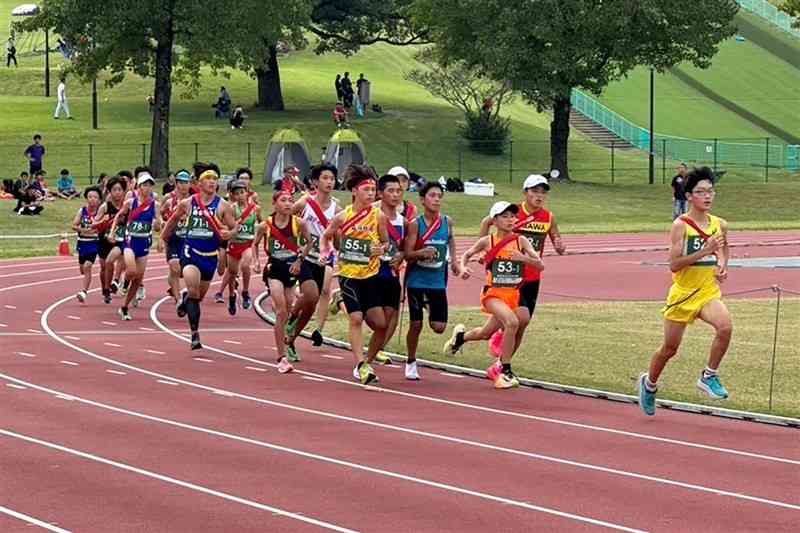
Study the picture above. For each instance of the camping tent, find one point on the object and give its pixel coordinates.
(28, 43)
(286, 149)
(345, 148)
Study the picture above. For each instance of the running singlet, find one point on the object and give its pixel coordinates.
(387, 271)
(111, 211)
(316, 228)
(199, 233)
(277, 250)
(536, 231)
(87, 234)
(504, 272)
(247, 228)
(355, 250)
(142, 227)
(702, 273)
(431, 273)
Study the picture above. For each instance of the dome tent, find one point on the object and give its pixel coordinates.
(286, 149)
(345, 148)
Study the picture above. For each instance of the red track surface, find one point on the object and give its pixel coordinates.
(229, 444)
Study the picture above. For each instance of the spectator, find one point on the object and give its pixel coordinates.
(39, 185)
(290, 181)
(338, 85)
(66, 186)
(169, 185)
(363, 90)
(101, 181)
(347, 91)
(11, 52)
(35, 154)
(223, 105)
(678, 191)
(151, 103)
(62, 99)
(237, 119)
(340, 116)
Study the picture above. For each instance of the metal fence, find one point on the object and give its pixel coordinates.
(771, 14)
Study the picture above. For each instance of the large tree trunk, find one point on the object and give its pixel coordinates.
(559, 137)
(159, 137)
(269, 83)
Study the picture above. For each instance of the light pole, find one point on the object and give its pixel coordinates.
(47, 62)
(651, 158)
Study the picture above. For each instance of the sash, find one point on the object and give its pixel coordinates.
(139, 210)
(492, 253)
(169, 206)
(210, 218)
(318, 211)
(246, 213)
(394, 234)
(691, 223)
(283, 239)
(355, 219)
(429, 233)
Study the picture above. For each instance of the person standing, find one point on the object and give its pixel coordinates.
(678, 191)
(363, 90)
(347, 91)
(62, 100)
(11, 52)
(35, 155)
(337, 84)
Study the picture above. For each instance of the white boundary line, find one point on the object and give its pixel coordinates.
(174, 481)
(332, 460)
(31, 272)
(32, 520)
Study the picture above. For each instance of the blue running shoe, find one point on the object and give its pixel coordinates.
(647, 399)
(712, 386)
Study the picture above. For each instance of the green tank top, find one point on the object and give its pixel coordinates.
(247, 229)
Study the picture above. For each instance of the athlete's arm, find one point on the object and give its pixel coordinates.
(411, 240)
(258, 213)
(299, 205)
(228, 220)
(181, 211)
(260, 233)
(527, 254)
(163, 210)
(157, 228)
(123, 211)
(379, 248)
(100, 217)
(455, 266)
(295, 268)
(555, 237)
(76, 221)
(724, 252)
(677, 260)
(486, 223)
(479, 246)
(328, 240)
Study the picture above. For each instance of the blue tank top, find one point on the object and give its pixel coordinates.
(86, 224)
(386, 270)
(142, 227)
(199, 234)
(431, 273)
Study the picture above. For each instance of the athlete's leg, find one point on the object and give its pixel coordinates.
(524, 317)
(673, 335)
(412, 339)
(717, 315)
(281, 308)
(376, 320)
(130, 275)
(174, 278)
(356, 336)
(510, 323)
(111, 263)
(304, 306)
(244, 267)
(138, 277)
(392, 318)
(231, 274)
(324, 298)
(86, 270)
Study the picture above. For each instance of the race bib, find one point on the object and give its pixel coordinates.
(358, 251)
(506, 273)
(438, 259)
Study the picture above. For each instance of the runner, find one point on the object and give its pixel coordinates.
(428, 247)
(246, 175)
(359, 232)
(140, 214)
(210, 220)
(247, 215)
(535, 223)
(133, 185)
(316, 274)
(409, 210)
(283, 231)
(111, 243)
(175, 243)
(699, 263)
(88, 240)
(506, 255)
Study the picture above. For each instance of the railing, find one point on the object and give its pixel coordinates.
(771, 14)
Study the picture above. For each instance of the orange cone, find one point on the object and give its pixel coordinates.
(63, 246)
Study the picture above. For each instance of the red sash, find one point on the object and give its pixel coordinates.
(492, 253)
(210, 218)
(394, 233)
(283, 239)
(246, 213)
(355, 219)
(139, 210)
(318, 211)
(689, 222)
(429, 233)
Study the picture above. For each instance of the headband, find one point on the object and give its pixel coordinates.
(210, 174)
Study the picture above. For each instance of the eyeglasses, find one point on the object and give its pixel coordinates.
(704, 192)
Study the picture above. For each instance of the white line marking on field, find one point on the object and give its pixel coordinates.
(256, 368)
(156, 352)
(31, 520)
(329, 356)
(35, 330)
(174, 481)
(165, 382)
(26, 354)
(310, 378)
(39, 311)
(224, 393)
(271, 348)
(72, 338)
(117, 372)
(3, 325)
(451, 375)
(203, 359)
(73, 317)
(112, 345)
(107, 323)
(70, 363)
(231, 342)
(66, 397)
(143, 328)
(15, 386)
(10, 306)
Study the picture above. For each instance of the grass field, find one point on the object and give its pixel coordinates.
(568, 343)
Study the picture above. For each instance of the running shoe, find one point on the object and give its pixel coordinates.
(291, 353)
(124, 314)
(712, 386)
(141, 293)
(196, 341)
(494, 370)
(123, 291)
(455, 342)
(336, 299)
(382, 359)
(284, 366)
(506, 380)
(232, 304)
(411, 371)
(356, 374)
(366, 374)
(291, 326)
(316, 338)
(219, 298)
(114, 286)
(180, 309)
(246, 300)
(107, 297)
(647, 398)
(81, 296)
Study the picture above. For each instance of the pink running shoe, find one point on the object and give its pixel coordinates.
(496, 343)
(494, 370)
(284, 366)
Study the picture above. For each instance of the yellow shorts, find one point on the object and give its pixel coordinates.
(683, 305)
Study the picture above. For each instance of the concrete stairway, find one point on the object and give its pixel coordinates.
(597, 133)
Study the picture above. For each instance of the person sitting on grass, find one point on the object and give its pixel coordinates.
(340, 116)
(237, 118)
(66, 186)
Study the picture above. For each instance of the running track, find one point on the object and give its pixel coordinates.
(108, 427)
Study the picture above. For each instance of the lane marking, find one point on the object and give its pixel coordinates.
(10, 306)
(31, 520)
(167, 382)
(15, 386)
(223, 393)
(329, 356)
(228, 341)
(72, 337)
(31, 272)
(107, 323)
(203, 359)
(155, 352)
(256, 368)
(112, 345)
(313, 378)
(174, 481)
(26, 354)
(143, 328)
(35, 331)
(73, 317)
(70, 363)
(39, 311)
(451, 375)
(117, 372)
(3, 325)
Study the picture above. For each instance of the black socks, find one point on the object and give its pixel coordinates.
(193, 310)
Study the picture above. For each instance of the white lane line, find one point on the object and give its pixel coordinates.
(31, 520)
(451, 375)
(256, 368)
(329, 356)
(174, 481)
(351, 465)
(26, 354)
(71, 278)
(71, 337)
(73, 317)
(203, 359)
(143, 328)
(231, 342)
(10, 306)
(31, 272)
(15, 386)
(3, 325)
(223, 393)
(31, 330)
(167, 382)
(70, 363)
(66, 397)
(312, 378)
(39, 311)
(117, 372)
(155, 352)
(107, 323)
(112, 345)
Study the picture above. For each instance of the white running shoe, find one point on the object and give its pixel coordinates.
(356, 374)
(411, 371)
(284, 366)
(140, 294)
(81, 296)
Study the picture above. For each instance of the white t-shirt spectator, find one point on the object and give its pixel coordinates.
(62, 92)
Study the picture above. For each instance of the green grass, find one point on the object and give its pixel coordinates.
(606, 345)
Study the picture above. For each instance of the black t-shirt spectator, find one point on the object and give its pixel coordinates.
(677, 187)
(167, 188)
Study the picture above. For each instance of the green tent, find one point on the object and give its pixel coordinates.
(286, 149)
(345, 148)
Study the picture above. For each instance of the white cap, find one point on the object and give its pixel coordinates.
(500, 207)
(533, 180)
(398, 171)
(144, 177)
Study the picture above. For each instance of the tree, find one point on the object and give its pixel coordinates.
(466, 88)
(793, 8)
(546, 48)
